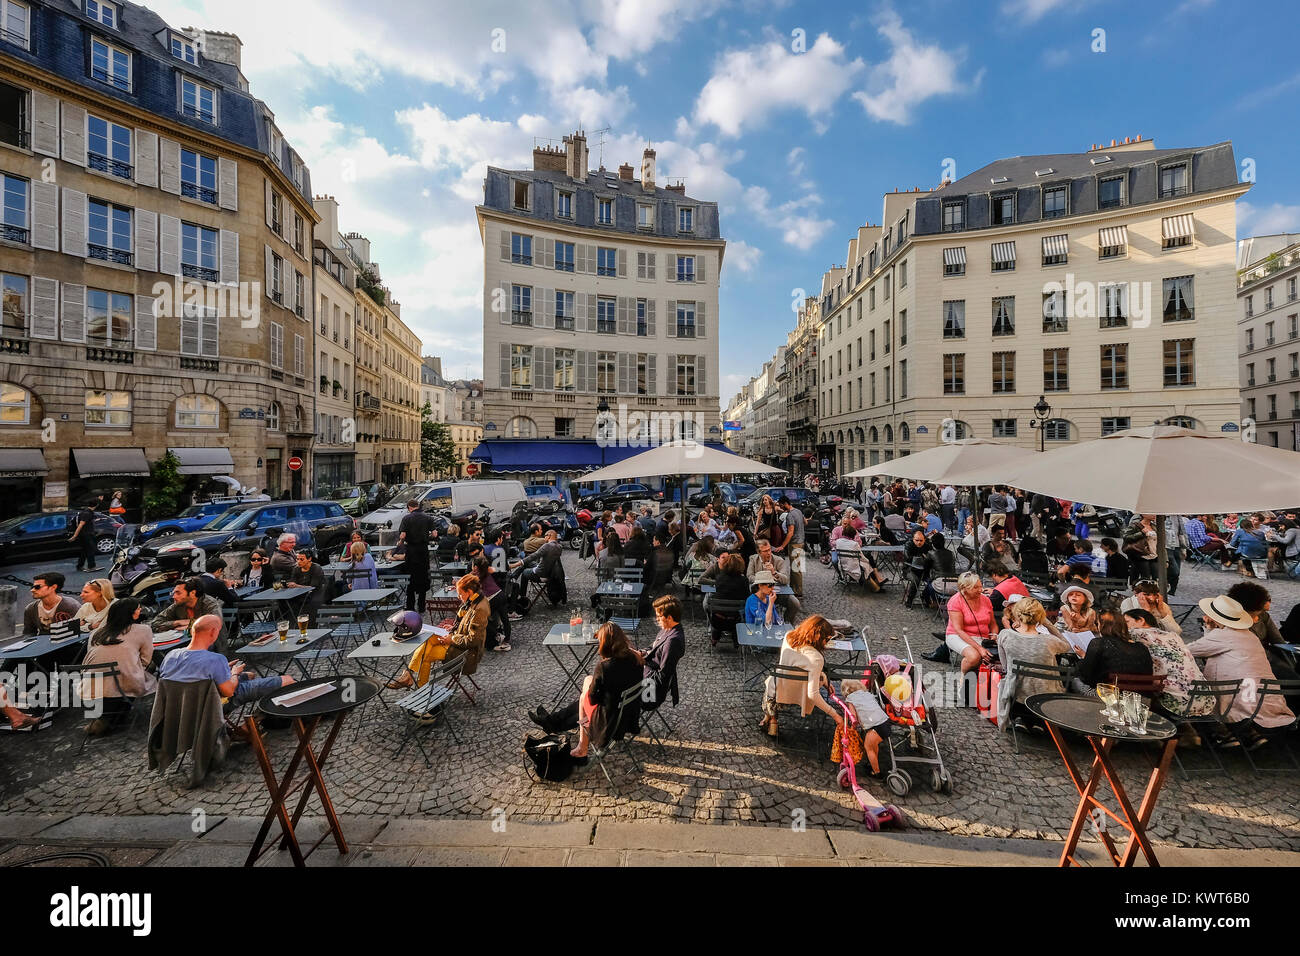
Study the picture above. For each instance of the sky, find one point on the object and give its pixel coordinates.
(795, 117)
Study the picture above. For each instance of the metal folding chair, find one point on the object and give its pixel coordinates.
(427, 706)
(1021, 670)
(623, 610)
(787, 672)
(103, 673)
(723, 616)
(628, 698)
(399, 582)
(1267, 688)
(649, 716)
(1222, 693)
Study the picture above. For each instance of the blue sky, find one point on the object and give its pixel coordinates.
(795, 117)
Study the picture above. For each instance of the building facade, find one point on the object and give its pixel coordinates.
(155, 258)
(600, 289)
(466, 436)
(399, 448)
(336, 427)
(1098, 280)
(1269, 339)
(799, 389)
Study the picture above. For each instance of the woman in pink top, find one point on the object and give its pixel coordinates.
(970, 623)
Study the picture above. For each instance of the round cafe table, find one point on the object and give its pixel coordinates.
(347, 693)
(1082, 715)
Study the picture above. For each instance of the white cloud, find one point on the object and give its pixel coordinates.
(1032, 10)
(748, 84)
(631, 28)
(464, 147)
(794, 160)
(742, 255)
(913, 73)
(796, 220)
(591, 108)
(1266, 220)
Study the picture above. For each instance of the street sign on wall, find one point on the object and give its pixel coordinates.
(295, 463)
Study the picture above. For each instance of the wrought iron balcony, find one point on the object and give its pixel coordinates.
(201, 193)
(109, 254)
(106, 164)
(199, 272)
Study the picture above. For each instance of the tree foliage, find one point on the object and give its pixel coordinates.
(166, 487)
(437, 450)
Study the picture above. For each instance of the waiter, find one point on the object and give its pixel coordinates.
(84, 535)
(414, 533)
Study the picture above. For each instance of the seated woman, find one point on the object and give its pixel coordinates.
(1077, 618)
(594, 713)
(976, 535)
(467, 638)
(942, 582)
(971, 622)
(1028, 639)
(97, 597)
(359, 559)
(918, 565)
(1113, 651)
(699, 559)
(1284, 546)
(258, 574)
(611, 551)
(124, 641)
(1231, 651)
(1033, 559)
(356, 537)
(1247, 545)
(497, 637)
(1170, 660)
(802, 647)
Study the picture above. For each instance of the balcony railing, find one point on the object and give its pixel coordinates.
(521, 317)
(14, 136)
(106, 164)
(108, 254)
(109, 355)
(198, 113)
(201, 193)
(199, 272)
(15, 233)
(277, 297)
(564, 323)
(112, 79)
(190, 363)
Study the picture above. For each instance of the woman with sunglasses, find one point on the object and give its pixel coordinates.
(259, 573)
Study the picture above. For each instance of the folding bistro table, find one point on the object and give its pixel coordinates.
(286, 594)
(1082, 715)
(346, 693)
(581, 651)
(281, 655)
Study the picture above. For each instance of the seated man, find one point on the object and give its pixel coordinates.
(660, 661)
(779, 569)
(49, 608)
(308, 574)
(197, 661)
(282, 561)
(544, 564)
(189, 603)
(998, 548)
(214, 585)
(1117, 564)
(534, 540)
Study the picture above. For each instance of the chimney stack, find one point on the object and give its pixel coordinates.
(625, 172)
(648, 170)
(575, 156)
(548, 159)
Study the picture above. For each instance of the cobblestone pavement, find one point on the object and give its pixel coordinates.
(718, 769)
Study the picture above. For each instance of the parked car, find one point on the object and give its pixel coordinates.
(732, 494)
(351, 498)
(620, 494)
(460, 499)
(805, 500)
(45, 535)
(243, 527)
(192, 518)
(543, 495)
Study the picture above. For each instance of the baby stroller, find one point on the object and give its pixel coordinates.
(919, 748)
(875, 815)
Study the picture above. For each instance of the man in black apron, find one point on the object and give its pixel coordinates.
(414, 531)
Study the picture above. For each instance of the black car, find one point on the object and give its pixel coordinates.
(243, 527)
(733, 493)
(45, 535)
(619, 495)
(805, 500)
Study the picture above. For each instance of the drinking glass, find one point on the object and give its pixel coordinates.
(1136, 710)
(1109, 695)
(283, 628)
(303, 620)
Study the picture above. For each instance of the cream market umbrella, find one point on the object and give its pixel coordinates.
(1161, 470)
(949, 462)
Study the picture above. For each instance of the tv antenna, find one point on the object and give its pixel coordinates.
(600, 143)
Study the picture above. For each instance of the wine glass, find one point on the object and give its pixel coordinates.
(1109, 695)
(1136, 711)
(283, 628)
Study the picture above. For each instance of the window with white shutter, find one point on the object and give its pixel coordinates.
(277, 345)
(299, 355)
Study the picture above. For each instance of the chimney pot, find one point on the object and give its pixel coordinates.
(625, 172)
(648, 170)
(1113, 143)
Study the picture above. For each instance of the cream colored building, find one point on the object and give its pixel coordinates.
(1100, 280)
(466, 436)
(335, 357)
(599, 286)
(1269, 339)
(399, 449)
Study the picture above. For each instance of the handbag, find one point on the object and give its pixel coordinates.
(550, 757)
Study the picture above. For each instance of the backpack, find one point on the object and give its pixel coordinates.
(549, 757)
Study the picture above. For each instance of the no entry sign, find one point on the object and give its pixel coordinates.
(295, 463)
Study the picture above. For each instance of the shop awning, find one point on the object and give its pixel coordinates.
(1114, 236)
(1056, 245)
(1004, 252)
(110, 463)
(204, 461)
(1176, 227)
(22, 463)
(530, 455)
(955, 257)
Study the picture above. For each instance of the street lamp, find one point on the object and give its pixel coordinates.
(602, 411)
(1042, 412)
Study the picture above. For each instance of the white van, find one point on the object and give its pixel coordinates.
(455, 496)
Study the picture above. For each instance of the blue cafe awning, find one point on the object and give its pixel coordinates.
(508, 456)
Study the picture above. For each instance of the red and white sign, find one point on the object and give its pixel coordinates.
(471, 469)
(295, 463)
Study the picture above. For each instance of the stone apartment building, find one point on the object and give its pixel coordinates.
(1268, 339)
(799, 389)
(1101, 281)
(399, 449)
(155, 259)
(600, 291)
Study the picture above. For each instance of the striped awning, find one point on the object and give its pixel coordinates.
(955, 257)
(1056, 245)
(1004, 252)
(1114, 236)
(1176, 227)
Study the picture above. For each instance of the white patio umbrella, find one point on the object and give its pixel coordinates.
(681, 459)
(1160, 470)
(949, 462)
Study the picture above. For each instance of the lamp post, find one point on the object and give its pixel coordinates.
(602, 410)
(1042, 412)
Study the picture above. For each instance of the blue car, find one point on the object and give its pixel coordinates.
(191, 519)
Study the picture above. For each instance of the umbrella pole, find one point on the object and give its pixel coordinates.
(1162, 556)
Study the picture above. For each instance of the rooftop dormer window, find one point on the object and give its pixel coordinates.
(110, 65)
(15, 19)
(183, 48)
(102, 12)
